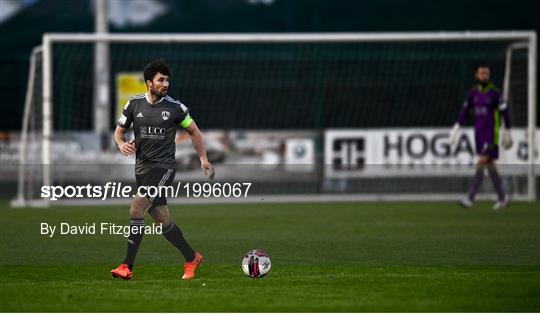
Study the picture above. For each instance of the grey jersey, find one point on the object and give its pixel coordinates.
(155, 128)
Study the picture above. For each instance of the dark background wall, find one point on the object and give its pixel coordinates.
(19, 34)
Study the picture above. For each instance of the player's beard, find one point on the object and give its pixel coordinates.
(159, 93)
(483, 82)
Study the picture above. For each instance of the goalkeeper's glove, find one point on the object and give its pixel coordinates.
(454, 134)
(507, 141)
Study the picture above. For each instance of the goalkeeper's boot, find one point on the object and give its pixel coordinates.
(500, 204)
(466, 203)
(122, 271)
(191, 267)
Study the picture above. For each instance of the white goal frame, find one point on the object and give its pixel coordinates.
(524, 40)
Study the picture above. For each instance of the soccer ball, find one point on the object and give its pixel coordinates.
(256, 263)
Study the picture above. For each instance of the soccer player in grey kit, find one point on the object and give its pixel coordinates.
(156, 117)
(488, 106)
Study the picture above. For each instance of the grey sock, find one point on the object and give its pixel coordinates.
(174, 235)
(134, 240)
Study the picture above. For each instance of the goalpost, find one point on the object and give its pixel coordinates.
(349, 45)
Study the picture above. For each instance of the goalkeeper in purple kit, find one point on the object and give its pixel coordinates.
(485, 100)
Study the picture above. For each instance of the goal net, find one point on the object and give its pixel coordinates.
(302, 116)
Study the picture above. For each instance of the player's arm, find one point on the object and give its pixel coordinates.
(507, 141)
(126, 147)
(122, 125)
(503, 109)
(197, 139)
(461, 119)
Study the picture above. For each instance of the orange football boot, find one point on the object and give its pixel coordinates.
(190, 267)
(122, 271)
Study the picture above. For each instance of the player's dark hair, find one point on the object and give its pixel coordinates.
(155, 67)
(482, 65)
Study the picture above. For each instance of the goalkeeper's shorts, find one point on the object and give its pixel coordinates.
(153, 184)
(487, 149)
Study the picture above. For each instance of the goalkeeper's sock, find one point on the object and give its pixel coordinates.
(497, 182)
(174, 235)
(477, 182)
(134, 241)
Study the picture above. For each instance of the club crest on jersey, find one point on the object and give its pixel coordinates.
(165, 115)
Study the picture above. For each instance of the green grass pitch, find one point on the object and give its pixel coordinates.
(428, 256)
